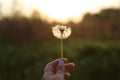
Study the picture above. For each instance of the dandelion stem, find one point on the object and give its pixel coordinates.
(61, 46)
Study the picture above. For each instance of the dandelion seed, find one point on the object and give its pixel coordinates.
(61, 32)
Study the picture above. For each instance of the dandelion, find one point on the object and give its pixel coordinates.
(61, 32)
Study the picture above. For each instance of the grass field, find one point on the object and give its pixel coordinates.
(94, 60)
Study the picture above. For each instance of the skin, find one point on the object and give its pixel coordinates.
(53, 72)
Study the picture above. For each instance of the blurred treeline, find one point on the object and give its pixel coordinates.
(102, 26)
(27, 45)
(19, 29)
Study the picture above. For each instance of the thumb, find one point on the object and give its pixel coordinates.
(61, 68)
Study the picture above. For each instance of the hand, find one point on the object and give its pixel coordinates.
(56, 70)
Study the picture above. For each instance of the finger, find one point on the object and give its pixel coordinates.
(69, 66)
(65, 60)
(61, 67)
(55, 62)
(52, 66)
(67, 75)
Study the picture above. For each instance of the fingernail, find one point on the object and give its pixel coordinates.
(61, 63)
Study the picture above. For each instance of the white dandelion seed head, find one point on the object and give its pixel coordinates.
(61, 32)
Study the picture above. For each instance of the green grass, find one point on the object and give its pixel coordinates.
(93, 60)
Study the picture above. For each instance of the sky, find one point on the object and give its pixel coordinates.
(61, 10)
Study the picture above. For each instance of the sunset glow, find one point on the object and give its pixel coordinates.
(66, 10)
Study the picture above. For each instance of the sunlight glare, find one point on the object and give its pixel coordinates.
(64, 10)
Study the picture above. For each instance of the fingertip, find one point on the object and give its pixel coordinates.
(64, 59)
(67, 75)
(61, 63)
(69, 66)
(73, 64)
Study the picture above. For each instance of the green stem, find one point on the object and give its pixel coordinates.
(61, 46)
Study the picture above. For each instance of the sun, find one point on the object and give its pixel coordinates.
(66, 10)
(58, 10)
